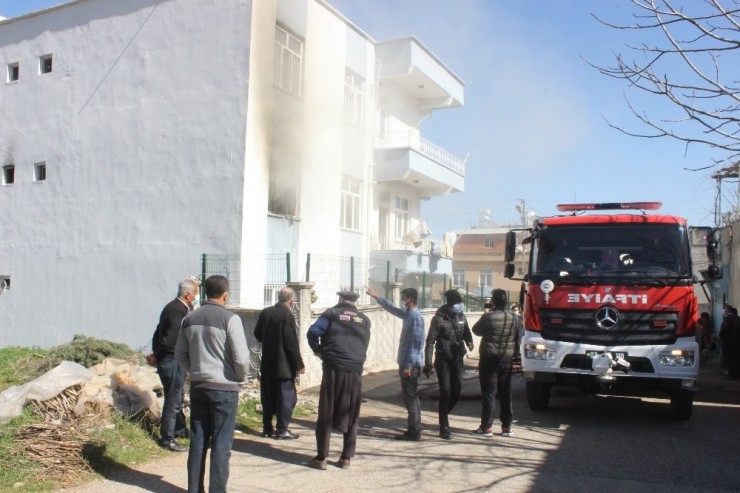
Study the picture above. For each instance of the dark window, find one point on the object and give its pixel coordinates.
(39, 172)
(45, 64)
(8, 174)
(13, 72)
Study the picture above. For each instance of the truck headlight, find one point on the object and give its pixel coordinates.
(539, 352)
(677, 357)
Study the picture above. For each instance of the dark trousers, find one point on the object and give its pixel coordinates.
(172, 376)
(212, 423)
(450, 379)
(495, 377)
(278, 396)
(731, 353)
(409, 386)
(340, 398)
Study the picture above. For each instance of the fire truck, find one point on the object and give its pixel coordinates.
(609, 303)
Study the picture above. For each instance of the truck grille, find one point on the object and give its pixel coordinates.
(634, 327)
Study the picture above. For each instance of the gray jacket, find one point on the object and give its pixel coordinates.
(212, 346)
(499, 333)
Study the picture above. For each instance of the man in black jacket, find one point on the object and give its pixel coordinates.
(339, 337)
(170, 372)
(281, 360)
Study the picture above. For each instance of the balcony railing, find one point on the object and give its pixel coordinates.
(412, 139)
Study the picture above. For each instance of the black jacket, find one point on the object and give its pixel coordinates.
(449, 334)
(341, 335)
(499, 333)
(277, 331)
(168, 329)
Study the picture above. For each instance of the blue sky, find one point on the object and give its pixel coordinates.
(533, 122)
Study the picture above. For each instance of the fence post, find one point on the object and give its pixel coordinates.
(303, 295)
(287, 265)
(423, 289)
(387, 277)
(481, 298)
(203, 264)
(396, 278)
(351, 273)
(467, 293)
(444, 283)
(308, 267)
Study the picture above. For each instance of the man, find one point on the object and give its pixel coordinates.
(410, 356)
(499, 344)
(729, 334)
(339, 337)
(213, 348)
(281, 360)
(170, 373)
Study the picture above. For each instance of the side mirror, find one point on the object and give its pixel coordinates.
(509, 271)
(714, 272)
(510, 250)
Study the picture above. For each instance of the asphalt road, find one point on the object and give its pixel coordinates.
(581, 443)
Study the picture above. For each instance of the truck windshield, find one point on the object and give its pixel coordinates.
(612, 250)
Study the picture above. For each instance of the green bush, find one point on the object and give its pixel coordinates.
(88, 352)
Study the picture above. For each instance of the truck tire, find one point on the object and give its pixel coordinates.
(538, 395)
(682, 403)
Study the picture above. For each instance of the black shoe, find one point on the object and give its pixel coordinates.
(445, 434)
(173, 446)
(285, 435)
(268, 433)
(408, 437)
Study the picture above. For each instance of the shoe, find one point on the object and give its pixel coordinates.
(343, 463)
(488, 432)
(285, 435)
(173, 446)
(268, 433)
(506, 431)
(408, 437)
(317, 464)
(445, 434)
(182, 434)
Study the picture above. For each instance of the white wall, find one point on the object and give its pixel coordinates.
(142, 126)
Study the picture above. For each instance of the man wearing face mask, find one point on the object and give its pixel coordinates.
(449, 334)
(410, 356)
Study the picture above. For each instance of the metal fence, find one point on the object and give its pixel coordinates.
(256, 280)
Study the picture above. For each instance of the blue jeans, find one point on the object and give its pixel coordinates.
(172, 376)
(411, 400)
(212, 423)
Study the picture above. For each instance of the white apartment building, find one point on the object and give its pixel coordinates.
(138, 135)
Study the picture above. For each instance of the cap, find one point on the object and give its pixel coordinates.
(348, 295)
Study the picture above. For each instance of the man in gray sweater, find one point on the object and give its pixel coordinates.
(212, 347)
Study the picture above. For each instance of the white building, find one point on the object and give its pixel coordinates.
(137, 136)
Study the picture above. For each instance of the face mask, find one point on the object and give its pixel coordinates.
(457, 308)
(196, 302)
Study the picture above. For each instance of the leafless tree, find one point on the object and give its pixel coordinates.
(693, 61)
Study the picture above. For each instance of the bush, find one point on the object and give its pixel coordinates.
(88, 352)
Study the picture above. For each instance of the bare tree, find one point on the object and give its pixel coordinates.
(693, 61)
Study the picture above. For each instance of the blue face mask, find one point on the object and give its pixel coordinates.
(457, 308)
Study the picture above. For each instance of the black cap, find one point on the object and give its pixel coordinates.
(348, 295)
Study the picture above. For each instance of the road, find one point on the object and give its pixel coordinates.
(581, 443)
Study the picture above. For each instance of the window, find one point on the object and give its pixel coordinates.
(283, 191)
(488, 241)
(39, 172)
(350, 214)
(45, 64)
(458, 277)
(4, 283)
(8, 174)
(486, 277)
(402, 217)
(287, 71)
(354, 87)
(13, 72)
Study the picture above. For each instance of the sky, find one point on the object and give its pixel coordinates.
(534, 125)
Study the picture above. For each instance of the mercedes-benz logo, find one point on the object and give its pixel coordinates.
(607, 317)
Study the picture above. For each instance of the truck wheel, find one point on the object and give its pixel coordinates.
(538, 395)
(682, 403)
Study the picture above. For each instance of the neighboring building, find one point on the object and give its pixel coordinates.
(138, 135)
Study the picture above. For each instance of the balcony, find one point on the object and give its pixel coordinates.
(409, 158)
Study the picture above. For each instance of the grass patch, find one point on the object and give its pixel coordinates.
(19, 365)
(18, 472)
(249, 414)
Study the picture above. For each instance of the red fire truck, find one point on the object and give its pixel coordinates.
(609, 304)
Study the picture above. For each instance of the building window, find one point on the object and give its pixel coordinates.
(45, 64)
(288, 62)
(458, 277)
(4, 283)
(39, 172)
(488, 241)
(14, 72)
(350, 214)
(486, 278)
(8, 174)
(401, 214)
(354, 87)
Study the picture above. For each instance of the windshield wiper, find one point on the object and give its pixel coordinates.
(653, 278)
